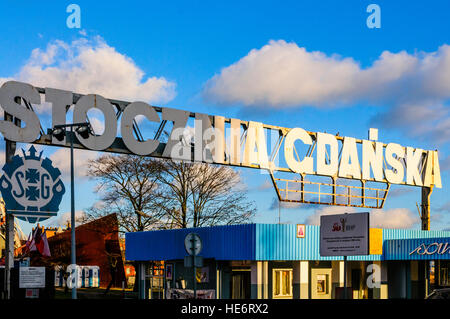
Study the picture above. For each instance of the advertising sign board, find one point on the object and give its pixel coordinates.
(344, 234)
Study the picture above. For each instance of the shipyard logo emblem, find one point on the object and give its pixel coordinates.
(31, 187)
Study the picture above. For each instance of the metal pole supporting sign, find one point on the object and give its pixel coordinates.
(193, 246)
(59, 132)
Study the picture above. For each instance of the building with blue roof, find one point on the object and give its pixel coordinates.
(275, 261)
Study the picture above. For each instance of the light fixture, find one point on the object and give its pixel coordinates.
(83, 131)
(58, 133)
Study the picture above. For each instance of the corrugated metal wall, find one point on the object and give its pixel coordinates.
(413, 234)
(234, 242)
(280, 242)
(255, 242)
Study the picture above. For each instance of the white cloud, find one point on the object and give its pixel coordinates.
(414, 88)
(314, 219)
(399, 191)
(65, 218)
(98, 126)
(276, 204)
(393, 218)
(444, 208)
(379, 218)
(264, 186)
(282, 74)
(61, 160)
(92, 66)
(418, 119)
(20, 148)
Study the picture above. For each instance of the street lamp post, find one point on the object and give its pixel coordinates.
(59, 132)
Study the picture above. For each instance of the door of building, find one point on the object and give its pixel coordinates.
(240, 285)
(356, 283)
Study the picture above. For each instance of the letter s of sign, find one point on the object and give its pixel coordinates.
(72, 279)
(10, 94)
(374, 280)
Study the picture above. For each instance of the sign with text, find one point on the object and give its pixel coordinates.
(215, 139)
(433, 248)
(344, 234)
(437, 248)
(32, 277)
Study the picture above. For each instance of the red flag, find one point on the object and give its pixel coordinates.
(39, 242)
(45, 250)
(29, 245)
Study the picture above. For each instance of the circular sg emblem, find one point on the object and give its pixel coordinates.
(31, 187)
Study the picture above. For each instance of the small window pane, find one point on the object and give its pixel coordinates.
(282, 283)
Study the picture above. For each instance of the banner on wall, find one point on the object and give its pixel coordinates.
(189, 294)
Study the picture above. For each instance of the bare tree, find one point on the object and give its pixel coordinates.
(163, 194)
(199, 194)
(127, 186)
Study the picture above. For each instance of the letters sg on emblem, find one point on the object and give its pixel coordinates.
(31, 187)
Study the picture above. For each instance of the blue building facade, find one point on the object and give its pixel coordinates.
(272, 261)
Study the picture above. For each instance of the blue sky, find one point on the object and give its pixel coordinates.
(186, 44)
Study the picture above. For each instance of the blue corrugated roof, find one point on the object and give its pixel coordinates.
(235, 242)
(250, 242)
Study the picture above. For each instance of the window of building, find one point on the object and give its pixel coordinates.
(282, 283)
(441, 274)
(444, 276)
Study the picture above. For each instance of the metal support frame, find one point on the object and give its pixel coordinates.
(9, 236)
(318, 195)
(296, 187)
(141, 283)
(10, 150)
(425, 207)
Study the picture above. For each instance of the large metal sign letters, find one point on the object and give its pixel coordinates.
(216, 139)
